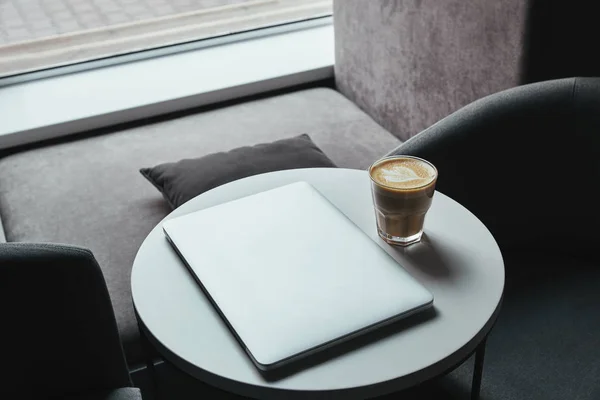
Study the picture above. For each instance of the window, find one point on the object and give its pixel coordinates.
(42, 34)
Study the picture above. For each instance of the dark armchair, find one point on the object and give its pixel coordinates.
(58, 333)
(526, 161)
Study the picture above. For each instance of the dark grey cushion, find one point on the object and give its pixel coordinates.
(546, 342)
(89, 191)
(183, 180)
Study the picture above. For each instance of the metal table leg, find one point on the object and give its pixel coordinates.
(478, 370)
(148, 348)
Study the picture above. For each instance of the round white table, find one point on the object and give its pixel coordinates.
(458, 261)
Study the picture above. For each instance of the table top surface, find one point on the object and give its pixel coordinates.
(458, 260)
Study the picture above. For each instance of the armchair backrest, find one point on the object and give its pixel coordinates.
(58, 334)
(526, 161)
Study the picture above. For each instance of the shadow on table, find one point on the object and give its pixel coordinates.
(429, 258)
(348, 346)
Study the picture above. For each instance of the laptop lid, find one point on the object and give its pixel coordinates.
(290, 274)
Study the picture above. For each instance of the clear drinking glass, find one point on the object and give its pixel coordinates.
(402, 188)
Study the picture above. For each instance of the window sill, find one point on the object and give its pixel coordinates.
(68, 104)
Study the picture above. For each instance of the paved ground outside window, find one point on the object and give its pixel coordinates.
(39, 33)
(34, 19)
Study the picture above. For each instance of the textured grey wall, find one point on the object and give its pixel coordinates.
(409, 63)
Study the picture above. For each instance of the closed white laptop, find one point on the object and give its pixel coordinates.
(290, 274)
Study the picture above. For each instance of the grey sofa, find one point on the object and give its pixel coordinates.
(401, 65)
(410, 63)
(88, 192)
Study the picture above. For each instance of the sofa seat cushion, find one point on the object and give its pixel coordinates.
(89, 191)
(546, 342)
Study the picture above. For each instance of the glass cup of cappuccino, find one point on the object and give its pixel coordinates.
(402, 188)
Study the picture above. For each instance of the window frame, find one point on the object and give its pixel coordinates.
(77, 98)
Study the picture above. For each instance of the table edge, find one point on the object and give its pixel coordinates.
(437, 369)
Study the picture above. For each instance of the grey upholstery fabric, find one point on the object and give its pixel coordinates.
(555, 127)
(89, 192)
(119, 394)
(182, 180)
(545, 344)
(409, 63)
(58, 327)
(538, 194)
